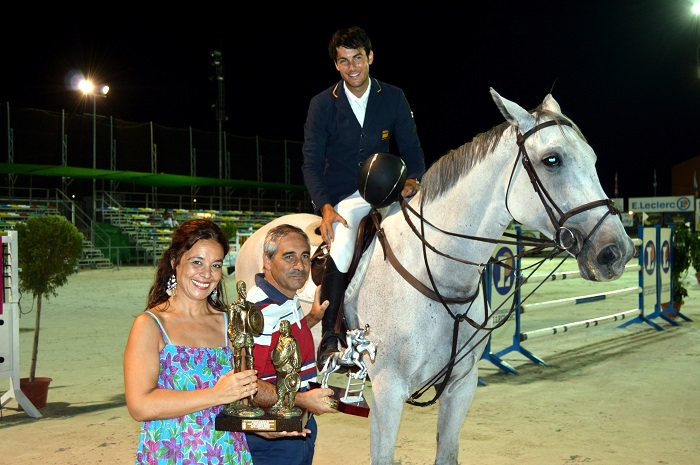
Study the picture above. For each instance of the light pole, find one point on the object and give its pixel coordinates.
(695, 9)
(217, 63)
(88, 88)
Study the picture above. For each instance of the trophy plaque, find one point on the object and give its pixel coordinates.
(265, 423)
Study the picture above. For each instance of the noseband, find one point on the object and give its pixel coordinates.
(565, 238)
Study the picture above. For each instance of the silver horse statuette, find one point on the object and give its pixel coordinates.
(352, 356)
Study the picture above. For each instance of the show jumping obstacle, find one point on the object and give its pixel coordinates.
(9, 325)
(653, 271)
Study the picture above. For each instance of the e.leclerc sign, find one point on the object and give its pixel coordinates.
(661, 204)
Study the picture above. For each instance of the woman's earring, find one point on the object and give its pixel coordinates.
(213, 294)
(172, 286)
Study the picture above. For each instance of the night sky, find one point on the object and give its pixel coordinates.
(624, 71)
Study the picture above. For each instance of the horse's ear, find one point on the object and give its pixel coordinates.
(513, 113)
(550, 104)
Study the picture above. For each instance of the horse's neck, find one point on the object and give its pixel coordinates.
(476, 207)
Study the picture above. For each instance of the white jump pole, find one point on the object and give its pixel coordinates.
(636, 315)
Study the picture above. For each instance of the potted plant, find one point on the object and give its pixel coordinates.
(684, 244)
(695, 254)
(48, 250)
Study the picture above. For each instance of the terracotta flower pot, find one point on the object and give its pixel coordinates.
(676, 306)
(37, 391)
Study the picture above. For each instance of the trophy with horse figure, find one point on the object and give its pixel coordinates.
(351, 400)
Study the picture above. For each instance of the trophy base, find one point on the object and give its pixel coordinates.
(266, 422)
(351, 405)
(243, 410)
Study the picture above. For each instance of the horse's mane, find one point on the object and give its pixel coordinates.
(456, 163)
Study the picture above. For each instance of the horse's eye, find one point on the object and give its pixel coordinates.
(551, 160)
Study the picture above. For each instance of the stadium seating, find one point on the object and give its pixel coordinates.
(11, 214)
(146, 229)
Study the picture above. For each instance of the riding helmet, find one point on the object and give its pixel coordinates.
(382, 178)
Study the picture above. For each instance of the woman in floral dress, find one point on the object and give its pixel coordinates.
(178, 370)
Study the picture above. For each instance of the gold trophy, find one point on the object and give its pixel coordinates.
(287, 360)
(245, 323)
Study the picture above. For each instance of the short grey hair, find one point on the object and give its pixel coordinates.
(270, 246)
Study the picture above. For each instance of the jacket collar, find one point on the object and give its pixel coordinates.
(337, 89)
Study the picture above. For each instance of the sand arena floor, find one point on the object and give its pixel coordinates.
(607, 396)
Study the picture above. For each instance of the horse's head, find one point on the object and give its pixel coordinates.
(553, 186)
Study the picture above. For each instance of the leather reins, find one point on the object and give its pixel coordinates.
(567, 239)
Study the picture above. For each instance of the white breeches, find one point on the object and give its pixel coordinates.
(353, 209)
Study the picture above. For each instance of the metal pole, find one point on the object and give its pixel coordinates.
(94, 162)
(220, 114)
(221, 197)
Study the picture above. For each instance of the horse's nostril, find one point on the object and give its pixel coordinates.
(609, 255)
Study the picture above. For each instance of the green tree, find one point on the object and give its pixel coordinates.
(49, 248)
(683, 244)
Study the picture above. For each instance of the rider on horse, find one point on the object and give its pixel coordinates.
(345, 124)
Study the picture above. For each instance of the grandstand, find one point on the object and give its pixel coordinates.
(128, 235)
(73, 165)
(146, 231)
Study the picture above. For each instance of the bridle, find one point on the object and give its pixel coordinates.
(566, 239)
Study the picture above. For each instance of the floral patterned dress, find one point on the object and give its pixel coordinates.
(191, 439)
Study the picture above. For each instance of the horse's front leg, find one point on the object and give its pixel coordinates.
(389, 393)
(453, 407)
(363, 368)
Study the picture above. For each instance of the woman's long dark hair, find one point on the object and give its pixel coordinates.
(183, 239)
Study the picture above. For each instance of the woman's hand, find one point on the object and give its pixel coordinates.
(235, 386)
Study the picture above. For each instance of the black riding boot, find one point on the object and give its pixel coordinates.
(333, 290)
